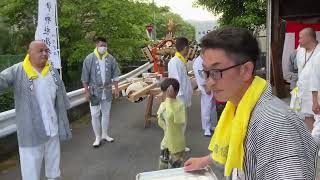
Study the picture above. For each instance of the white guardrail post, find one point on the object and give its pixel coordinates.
(7, 118)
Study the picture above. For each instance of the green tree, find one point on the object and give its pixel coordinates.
(121, 21)
(5, 39)
(18, 23)
(96, 18)
(249, 14)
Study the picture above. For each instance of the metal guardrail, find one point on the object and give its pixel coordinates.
(7, 118)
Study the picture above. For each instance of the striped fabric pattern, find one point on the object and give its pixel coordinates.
(91, 74)
(30, 128)
(278, 145)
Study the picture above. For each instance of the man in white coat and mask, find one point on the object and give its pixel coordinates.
(208, 107)
(307, 55)
(100, 71)
(177, 68)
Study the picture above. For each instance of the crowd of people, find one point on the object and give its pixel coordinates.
(257, 136)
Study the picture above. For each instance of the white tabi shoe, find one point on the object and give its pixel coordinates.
(96, 143)
(207, 133)
(107, 138)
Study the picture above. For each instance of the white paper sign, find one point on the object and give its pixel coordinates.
(47, 30)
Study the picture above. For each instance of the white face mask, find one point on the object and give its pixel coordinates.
(102, 50)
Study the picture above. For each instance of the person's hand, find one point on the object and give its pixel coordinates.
(316, 108)
(87, 95)
(197, 163)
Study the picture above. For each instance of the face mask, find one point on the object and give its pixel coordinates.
(102, 50)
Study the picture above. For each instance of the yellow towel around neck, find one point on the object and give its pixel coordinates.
(227, 143)
(31, 73)
(179, 55)
(100, 57)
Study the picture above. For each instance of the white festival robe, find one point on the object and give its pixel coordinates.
(305, 74)
(178, 70)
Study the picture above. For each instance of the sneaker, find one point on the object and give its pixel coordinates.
(107, 138)
(186, 149)
(96, 143)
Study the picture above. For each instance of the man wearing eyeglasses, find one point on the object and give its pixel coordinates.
(177, 69)
(257, 136)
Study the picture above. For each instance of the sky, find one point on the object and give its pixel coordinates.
(186, 10)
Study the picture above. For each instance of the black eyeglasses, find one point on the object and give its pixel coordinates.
(216, 74)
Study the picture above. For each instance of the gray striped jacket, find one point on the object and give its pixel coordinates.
(91, 74)
(278, 145)
(30, 127)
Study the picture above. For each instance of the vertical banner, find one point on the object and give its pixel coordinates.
(47, 29)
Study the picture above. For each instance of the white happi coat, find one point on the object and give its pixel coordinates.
(315, 86)
(208, 109)
(307, 77)
(178, 70)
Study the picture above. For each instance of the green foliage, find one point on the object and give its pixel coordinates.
(6, 101)
(249, 14)
(5, 39)
(9, 60)
(17, 17)
(122, 22)
(6, 98)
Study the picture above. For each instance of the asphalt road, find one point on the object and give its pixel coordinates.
(135, 150)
